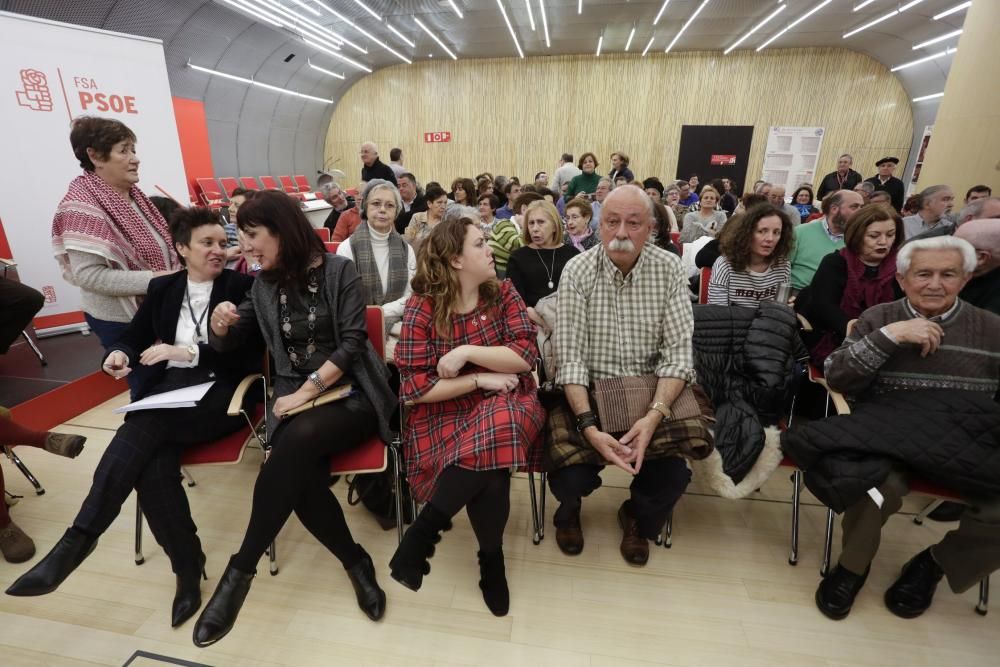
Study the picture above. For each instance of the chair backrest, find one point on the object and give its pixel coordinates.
(210, 193)
(675, 238)
(249, 183)
(229, 184)
(302, 182)
(323, 233)
(269, 183)
(706, 277)
(288, 184)
(331, 246)
(375, 322)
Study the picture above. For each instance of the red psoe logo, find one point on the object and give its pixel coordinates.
(36, 95)
(49, 292)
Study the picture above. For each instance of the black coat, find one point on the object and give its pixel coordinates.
(419, 205)
(948, 437)
(157, 317)
(745, 360)
(378, 170)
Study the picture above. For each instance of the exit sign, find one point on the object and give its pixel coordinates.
(724, 160)
(436, 137)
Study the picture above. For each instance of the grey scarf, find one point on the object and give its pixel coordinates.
(364, 257)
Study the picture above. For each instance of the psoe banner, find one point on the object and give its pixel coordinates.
(51, 73)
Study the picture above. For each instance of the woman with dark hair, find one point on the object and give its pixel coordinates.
(665, 225)
(463, 191)
(860, 275)
(465, 358)
(619, 167)
(802, 200)
(168, 336)
(586, 182)
(754, 258)
(109, 238)
(488, 204)
(309, 307)
(579, 232)
(423, 222)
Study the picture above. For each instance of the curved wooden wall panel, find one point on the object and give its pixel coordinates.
(513, 116)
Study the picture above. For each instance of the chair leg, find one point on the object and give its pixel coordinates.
(34, 348)
(16, 460)
(397, 482)
(139, 558)
(668, 530)
(541, 510)
(535, 536)
(793, 557)
(931, 506)
(273, 558)
(828, 544)
(984, 596)
(191, 481)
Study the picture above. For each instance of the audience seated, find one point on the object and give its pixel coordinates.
(619, 168)
(488, 204)
(817, 239)
(412, 197)
(463, 192)
(802, 200)
(593, 310)
(850, 280)
(923, 372)
(233, 250)
(983, 289)
(866, 190)
(508, 234)
(933, 205)
(565, 173)
(844, 178)
(585, 182)
(776, 195)
(579, 232)
(336, 198)
(423, 222)
(347, 222)
(754, 258)
(707, 221)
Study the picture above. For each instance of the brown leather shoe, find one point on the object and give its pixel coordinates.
(15, 545)
(65, 444)
(570, 537)
(634, 547)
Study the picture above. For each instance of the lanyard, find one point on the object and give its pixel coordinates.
(195, 320)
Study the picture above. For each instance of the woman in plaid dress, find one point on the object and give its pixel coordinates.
(465, 356)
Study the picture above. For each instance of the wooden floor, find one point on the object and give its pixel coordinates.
(723, 595)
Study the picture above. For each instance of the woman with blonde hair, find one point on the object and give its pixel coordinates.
(536, 266)
(465, 357)
(707, 220)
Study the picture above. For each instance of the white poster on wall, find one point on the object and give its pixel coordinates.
(51, 73)
(791, 155)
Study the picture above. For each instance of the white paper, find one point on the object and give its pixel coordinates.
(876, 497)
(790, 156)
(185, 397)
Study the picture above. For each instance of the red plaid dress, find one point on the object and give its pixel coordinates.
(473, 431)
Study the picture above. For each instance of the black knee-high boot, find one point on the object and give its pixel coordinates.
(409, 564)
(493, 582)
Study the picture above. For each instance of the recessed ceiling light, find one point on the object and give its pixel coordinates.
(918, 61)
(455, 7)
(545, 22)
(506, 20)
(793, 24)
(337, 55)
(686, 24)
(754, 29)
(649, 44)
(600, 43)
(663, 8)
(435, 38)
(324, 70)
(258, 84)
(928, 97)
(953, 10)
(935, 40)
(630, 36)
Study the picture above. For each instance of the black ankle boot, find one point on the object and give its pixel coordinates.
(493, 582)
(58, 564)
(409, 564)
(371, 598)
(220, 613)
(187, 599)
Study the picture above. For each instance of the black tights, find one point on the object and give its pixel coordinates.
(485, 494)
(296, 478)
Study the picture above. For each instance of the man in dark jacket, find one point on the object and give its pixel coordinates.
(929, 340)
(413, 201)
(844, 178)
(372, 167)
(884, 181)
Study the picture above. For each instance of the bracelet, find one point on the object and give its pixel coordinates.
(317, 381)
(585, 420)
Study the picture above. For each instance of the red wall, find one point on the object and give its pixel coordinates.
(4, 246)
(192, 129)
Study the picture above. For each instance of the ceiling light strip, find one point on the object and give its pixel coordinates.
(884, 17)
(659, 14)
(953, 10)
(365, 32)
(600, 43)
(324, 49)
(686, 24)
(435, 38)
(258, 84)
(256, 13)
(935, 40)
(455, 7)
(631, 34)
(324, 70)
(531, 14)
(545, 22)
(918, 61)
(754, 29)
(793, 24)
(368, 9)
(579, 7)
(928, 97)
(309, 28)
(862, 5)
(506, 20)
(400, 35)
(303, 5)
(646, 50)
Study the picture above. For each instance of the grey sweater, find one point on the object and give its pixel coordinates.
(105, 292)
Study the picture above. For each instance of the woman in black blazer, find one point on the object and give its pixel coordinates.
(169, 334)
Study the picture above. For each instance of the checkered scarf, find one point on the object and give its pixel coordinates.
(379, 294)
(93, 218)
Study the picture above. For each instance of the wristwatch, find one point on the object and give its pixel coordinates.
(317, 381)
(662, 408)
(192, 350)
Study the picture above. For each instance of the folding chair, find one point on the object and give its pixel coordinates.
(211, 194)
(323, 233)
(706, 277)
(269, 183)
(227, 450)
(287, 184)
(249, 183)
(917, 485)
(229, 184)
(10, 264)
(331, 246)
(675, 238)
(303, 183)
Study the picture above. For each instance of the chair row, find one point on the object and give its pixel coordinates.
(215, 192)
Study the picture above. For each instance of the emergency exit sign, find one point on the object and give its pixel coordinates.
(436, 137)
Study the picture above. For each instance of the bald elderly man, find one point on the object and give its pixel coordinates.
(983, 290)
(372, 167)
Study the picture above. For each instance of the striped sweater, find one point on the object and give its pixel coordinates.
(967, 359)
(745, 288)
(505, 239)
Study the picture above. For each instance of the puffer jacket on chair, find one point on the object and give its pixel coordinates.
(746, 361)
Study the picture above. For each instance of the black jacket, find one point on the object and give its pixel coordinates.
(831, 184)
(157, 317)
(745, 359)
(378, 170)
(948, 437)
(419, 205)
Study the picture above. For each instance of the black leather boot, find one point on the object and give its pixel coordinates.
(493, 582)
(409, 564)
(187, 599)
(220, 614)
(371, 598)
(58, 564)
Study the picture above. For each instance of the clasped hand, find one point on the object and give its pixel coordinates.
(117, 363)
(628, 451)
(918, 331)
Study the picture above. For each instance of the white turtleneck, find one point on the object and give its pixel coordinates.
(380, 249)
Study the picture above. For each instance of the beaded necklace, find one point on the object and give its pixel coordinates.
(286, 320)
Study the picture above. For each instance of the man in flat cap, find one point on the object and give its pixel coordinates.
(886, 182)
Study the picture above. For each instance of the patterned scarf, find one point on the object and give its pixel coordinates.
(364, 257)
(860, 294)
(96, 219)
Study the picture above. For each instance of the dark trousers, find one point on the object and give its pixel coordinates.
(485, 495)
(108, 333)
(296, 478)
(18, 303)
(659, 484)
(145, 455)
